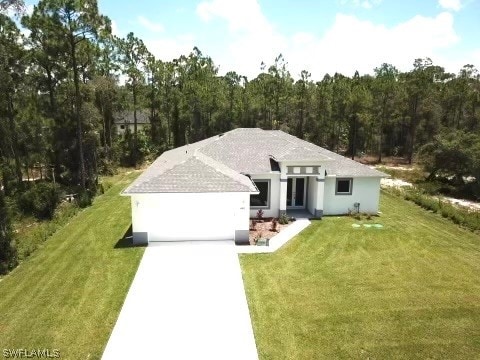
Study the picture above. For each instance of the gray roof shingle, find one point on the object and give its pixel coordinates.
(339, 165)
(192, 175)
(249, 151)
(126, 117)
(220, 163)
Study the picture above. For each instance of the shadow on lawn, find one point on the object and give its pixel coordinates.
(126, 241)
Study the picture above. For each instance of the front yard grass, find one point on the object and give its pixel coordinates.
(410, 290)
(68, 294)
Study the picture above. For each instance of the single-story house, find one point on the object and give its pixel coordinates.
(210, 189)
(124, 120)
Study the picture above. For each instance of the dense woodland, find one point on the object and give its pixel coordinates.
(62, 82)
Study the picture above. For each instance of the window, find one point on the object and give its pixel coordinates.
(122, 127)
(262, 200)
(343, 187)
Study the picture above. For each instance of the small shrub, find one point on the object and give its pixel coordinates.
(103, 187)
(257, 237)
(274, 225)
(458, 215)
(253, 225)
(34, 237)
(260, 214)
(106, 185)
(283, 219)
(8, 248)
(40, 200)
(369, 216)
(84, 199)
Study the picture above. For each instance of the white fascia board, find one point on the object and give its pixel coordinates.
(303, 162)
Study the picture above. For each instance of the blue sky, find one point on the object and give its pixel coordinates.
(319, 36)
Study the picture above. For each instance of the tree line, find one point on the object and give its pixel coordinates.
(64, 80)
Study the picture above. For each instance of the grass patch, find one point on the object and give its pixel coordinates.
(460, 215)
(410, 290)
(69, 292)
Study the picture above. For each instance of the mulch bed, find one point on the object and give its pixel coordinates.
(263, 228)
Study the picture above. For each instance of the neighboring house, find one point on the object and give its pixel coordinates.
(210, 189)
(124, 120)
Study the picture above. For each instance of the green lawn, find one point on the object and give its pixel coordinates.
(68, 294)
(410, 290)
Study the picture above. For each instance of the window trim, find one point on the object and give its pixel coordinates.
(350, 180)
(269, 184)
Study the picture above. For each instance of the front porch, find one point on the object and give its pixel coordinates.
(296, 190)
(302, 196)
(300, 214)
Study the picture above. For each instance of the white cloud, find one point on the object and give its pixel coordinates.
(349, 44)
(352, 44)
(167, 49)
(252, 38)
(150, 25)
(115, 30)
(12, 11)
(29, 9)
(454, 5)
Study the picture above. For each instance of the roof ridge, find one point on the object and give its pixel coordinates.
(224, 169)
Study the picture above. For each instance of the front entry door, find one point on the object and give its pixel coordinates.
(296, 192)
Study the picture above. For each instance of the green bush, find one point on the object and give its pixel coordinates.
(31, 239)
(459, 215)
(104, 186)
(283, 219)
(8, 248)
(40, 200)
(84, 199)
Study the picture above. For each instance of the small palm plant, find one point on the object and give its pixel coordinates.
(260, 214)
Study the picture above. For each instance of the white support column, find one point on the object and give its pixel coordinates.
(283, 195)
(320, 195)
(283, 189)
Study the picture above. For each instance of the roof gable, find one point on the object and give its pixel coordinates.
(191, 175)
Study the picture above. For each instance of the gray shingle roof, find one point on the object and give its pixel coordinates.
(338, 165)
(218, 164)
(192, 175)
(168, 173)
(249, 150)
(126, 117)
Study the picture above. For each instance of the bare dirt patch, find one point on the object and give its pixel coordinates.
(386, 161)
(398, 183)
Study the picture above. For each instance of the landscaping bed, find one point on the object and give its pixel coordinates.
(263, 230)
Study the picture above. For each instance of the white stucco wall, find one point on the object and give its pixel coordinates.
(311, 194)
(365, 190)
(190, 216)
(274, 208)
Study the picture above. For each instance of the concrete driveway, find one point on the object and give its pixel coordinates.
(187, 301)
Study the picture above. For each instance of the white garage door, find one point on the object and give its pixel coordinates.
(186, 216)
